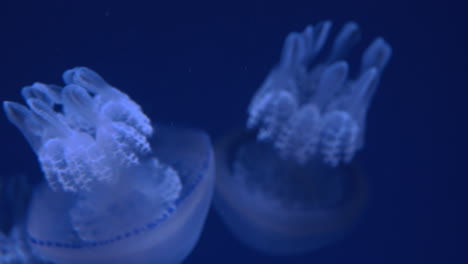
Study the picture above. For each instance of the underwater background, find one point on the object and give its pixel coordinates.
(198, 64)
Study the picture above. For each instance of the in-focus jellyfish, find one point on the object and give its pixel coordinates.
(288, 185)
(113, 192)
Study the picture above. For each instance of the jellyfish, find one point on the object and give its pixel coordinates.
(14, 194)
(288, 183)
(14, 247)
(112, 192)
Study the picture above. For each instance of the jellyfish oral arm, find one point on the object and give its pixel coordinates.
(73, 145)
(307, 111)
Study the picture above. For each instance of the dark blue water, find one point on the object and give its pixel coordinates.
(199, 63)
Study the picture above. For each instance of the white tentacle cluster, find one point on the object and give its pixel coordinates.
(307, 107)
(98, 131)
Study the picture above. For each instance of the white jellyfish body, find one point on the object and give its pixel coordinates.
(113, 193)
(288, 185)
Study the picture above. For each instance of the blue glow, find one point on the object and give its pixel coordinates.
(113, 192)
(288, 185)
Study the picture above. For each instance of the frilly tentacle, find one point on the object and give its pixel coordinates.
(306, 107)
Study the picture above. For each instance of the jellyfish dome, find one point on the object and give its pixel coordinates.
(113, 192)
(288, 184)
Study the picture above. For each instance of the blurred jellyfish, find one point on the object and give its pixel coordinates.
(288, 185)
(15, 192)
(14, 248)
(112, 193)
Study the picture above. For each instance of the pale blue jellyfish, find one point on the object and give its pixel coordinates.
(14, 195)
(288, 184)
(113, 191)
(14, 248)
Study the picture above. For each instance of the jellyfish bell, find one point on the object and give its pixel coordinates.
(278, 208)
(166, 239)
(289, 184)
(113, 191)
